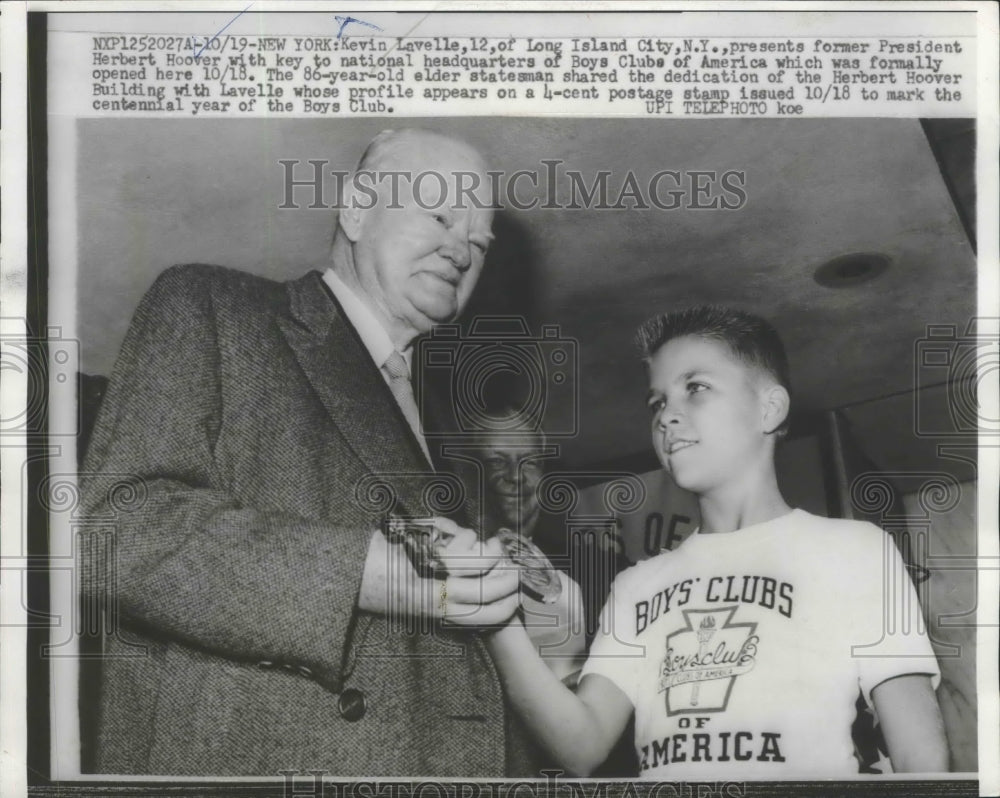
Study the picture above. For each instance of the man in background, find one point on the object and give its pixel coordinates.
(513, 468)
(513, 463)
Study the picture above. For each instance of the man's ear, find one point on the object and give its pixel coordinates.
(351, 214)
(776, 403)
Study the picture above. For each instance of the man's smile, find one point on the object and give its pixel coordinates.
(676, 445)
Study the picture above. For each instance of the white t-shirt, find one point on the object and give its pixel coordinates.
(743, 652)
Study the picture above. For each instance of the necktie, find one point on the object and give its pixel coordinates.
(399, 383)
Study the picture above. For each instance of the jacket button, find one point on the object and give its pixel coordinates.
(352, 704)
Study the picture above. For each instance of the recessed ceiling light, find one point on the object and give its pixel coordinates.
(845, 271)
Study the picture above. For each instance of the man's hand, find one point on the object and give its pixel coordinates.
(480, 588)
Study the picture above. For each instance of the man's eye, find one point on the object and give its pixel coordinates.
(480, 247)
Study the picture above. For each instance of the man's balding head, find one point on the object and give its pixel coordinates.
(397, 150)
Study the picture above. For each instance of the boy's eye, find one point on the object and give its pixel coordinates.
(655, 405)
(696, 387)
(440, 218)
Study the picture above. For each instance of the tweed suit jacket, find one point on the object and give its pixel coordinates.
(230, 480)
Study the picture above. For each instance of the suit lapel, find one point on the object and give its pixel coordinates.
(351, 388)
(450, 456)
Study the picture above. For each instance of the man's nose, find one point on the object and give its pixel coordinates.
(510, 473)
(669, 414)
(458, 250)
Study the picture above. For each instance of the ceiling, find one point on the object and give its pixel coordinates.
(154, 193)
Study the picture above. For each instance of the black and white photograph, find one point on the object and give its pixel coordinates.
(461, 433)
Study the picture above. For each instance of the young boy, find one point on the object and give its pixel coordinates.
(742, 651)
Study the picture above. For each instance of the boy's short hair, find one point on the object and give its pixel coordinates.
(751, 339)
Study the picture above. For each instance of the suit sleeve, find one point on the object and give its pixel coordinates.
(182, 557)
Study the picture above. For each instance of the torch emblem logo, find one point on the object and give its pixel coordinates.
(706, 629)
(704, 659)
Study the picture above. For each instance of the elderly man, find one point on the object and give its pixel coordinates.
(242, 460)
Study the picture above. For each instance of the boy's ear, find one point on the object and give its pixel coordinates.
(776, 403)
(351, 214)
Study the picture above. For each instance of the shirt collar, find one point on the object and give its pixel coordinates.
(373, 335)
